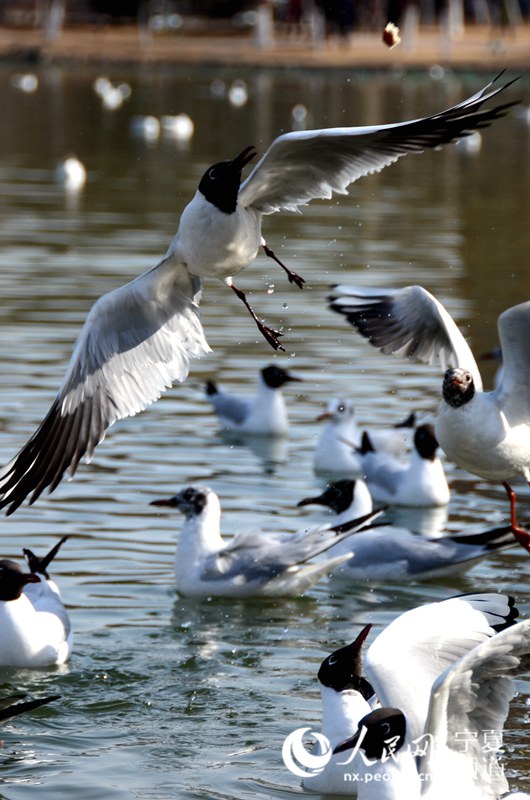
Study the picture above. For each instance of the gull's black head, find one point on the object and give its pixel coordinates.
(342, 669)
(458, 387)
(338, 496)
(275, 377)
(380, 733)
(191, 501)
(13, 580)
(220, 183)
(425, 442)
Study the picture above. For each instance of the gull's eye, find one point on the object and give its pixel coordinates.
(212, 174)
(332, 660)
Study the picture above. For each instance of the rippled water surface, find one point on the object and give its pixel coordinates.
(167, 697)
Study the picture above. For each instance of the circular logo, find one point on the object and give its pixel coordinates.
(299, 760)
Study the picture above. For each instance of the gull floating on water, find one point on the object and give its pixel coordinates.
(334, 454)
(35, 630)
(138, 339)
(71, 173)
(263, 415)
(418, 482)
(253, 563)
(393, 552)
(486, 433)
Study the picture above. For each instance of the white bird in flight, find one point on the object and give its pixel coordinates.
(486, 433)
(139, 338)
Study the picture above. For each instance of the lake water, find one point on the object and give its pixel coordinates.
(172, 698)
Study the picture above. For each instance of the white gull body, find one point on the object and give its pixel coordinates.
(394, 553)
(263, 415)
(251, 564)
(34, 627)
(138, 339)
(419, 482)
(334, 453)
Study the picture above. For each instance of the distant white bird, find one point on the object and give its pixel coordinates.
(112, 95)
(178, 126)
(34, 627)
(394, 553)
(146, 127)
(27, 82)
(252, 564)
(238, 93)
(418, 482)
(71, 173)
(140, 338)
(462, 734)
(263, 415)
(334, 454)
(486, 433)
(439, 646)
(11, 706)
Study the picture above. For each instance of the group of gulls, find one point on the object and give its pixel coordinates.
(435, 670)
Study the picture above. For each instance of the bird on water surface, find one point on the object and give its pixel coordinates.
(139, 338)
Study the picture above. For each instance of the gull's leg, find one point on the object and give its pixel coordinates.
(268, 333)
(522, 536)
(293, 276)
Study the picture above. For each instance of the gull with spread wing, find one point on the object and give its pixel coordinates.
(486, 433)
(138, 339)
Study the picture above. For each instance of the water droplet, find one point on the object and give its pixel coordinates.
(270, 289)
(284, 305)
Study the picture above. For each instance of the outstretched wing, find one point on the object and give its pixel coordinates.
(513, 394)
(304, 165)
(474, 696)
(407, 322)
(135, 342)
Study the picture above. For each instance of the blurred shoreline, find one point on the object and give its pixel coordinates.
(478, 48)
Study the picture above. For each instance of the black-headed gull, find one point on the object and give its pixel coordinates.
(11, 706)
(253, 563)
(138, 339)
(263, 415)
(34, 627)
(346, 698)
(456, 753)
(348, 498)
(333, 453)
(420, 481)
(486, 433)
(394, 553)
(403, 667)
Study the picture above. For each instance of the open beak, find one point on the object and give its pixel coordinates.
(245, 157)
